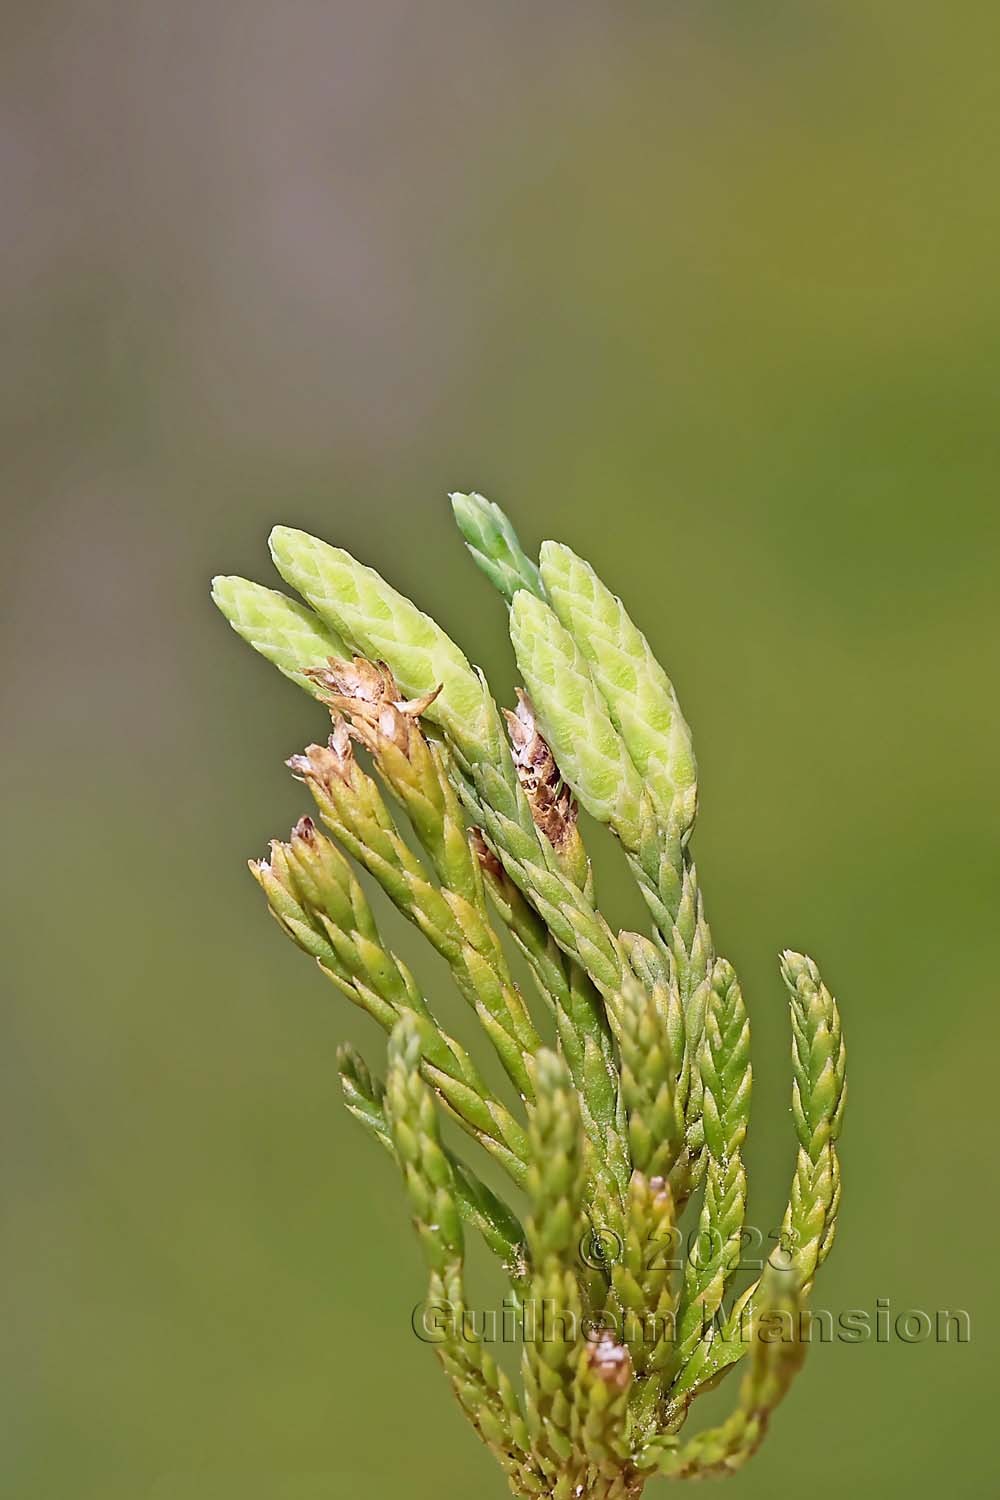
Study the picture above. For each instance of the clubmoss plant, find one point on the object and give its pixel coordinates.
(639, 1111)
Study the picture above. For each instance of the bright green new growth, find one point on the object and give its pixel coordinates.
(574, 719)
(281, 629)
(626, 1309)
(640, 697)
(493, 542)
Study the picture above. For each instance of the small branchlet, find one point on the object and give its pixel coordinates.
(778, 1339)
(640, 1111)
(819, 1094)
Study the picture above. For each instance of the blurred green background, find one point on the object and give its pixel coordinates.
(708, 290)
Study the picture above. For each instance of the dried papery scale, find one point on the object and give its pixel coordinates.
(553, 805)
(623, 1146)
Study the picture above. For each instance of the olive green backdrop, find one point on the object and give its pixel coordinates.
(707, 290)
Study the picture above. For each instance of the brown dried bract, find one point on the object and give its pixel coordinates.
(610, 1360)
(553, 806)
(369, 695)
(488, 862)
(305, 829)
(321, 763)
